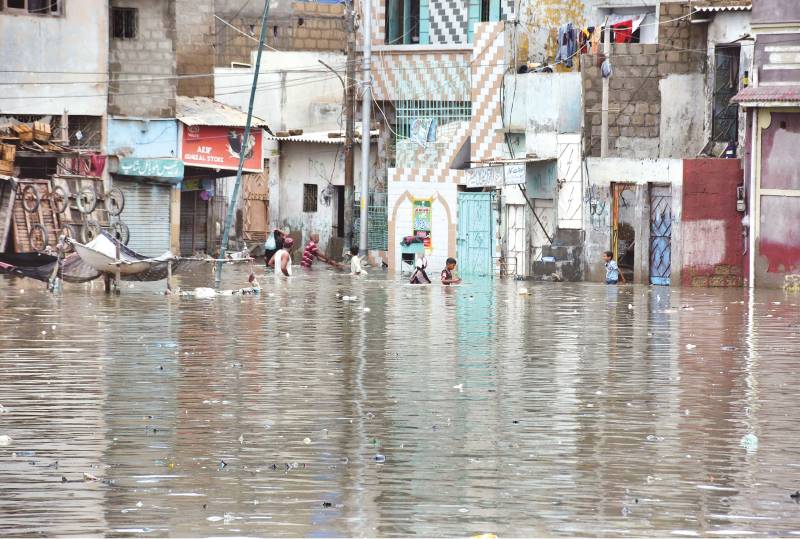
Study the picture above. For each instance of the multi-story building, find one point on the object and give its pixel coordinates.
(773, 133)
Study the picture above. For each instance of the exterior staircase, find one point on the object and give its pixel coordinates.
(563, 259)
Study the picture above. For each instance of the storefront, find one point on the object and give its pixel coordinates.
(211, 139)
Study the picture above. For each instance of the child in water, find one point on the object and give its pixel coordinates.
(613, 275)
(448, 277)
(355, 262)
(419, 276)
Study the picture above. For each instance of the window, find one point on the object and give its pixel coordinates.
(309, 197)
(34, 7)
(402, 22)
(725, 125)
(123, 22)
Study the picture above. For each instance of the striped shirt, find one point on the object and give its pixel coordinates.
(309, 254)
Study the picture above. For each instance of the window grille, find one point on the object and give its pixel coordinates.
(309, 197)
(123, 22)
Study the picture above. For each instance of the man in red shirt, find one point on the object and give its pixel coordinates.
(312, 251)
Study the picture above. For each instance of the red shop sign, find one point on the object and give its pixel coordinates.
(218, 147)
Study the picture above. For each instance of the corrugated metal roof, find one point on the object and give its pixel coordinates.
(206, 111)
(731, 7)
(755, 96)
(320, 137)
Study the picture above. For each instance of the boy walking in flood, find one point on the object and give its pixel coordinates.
(448, 277)
(613, 274)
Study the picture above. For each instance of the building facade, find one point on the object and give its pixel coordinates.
(773, 127)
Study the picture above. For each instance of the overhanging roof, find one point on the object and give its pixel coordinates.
(763, 96)
(206, 111)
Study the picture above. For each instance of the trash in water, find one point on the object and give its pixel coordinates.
(327, 504)
(222, 464)
(3, 409)
(523, 292)
(691, 346)
(630, 307)
(89, 477)
(379, 458)
(5, 440)
(729, 348)
(21, 454)
(795, 496)
(366, 309)
(459, 387)
(204, 293)
(139, 504)
(749, 442)
(306, 441)
(241, 438)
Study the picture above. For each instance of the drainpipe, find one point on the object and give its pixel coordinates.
(751, 203)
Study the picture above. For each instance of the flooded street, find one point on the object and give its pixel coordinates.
(579, 409)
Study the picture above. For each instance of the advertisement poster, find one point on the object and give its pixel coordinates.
(218, 147)
(423, 220)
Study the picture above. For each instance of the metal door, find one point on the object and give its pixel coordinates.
(660, 234)
(147, 216)
(255, 219)
(475, 232)
(194, 223)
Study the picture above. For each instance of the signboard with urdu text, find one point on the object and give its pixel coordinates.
(422, 219)
(218, 147)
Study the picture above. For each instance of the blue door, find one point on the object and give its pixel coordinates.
(660, 235)
(475, 233)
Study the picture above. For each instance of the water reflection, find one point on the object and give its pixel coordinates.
(577, 410)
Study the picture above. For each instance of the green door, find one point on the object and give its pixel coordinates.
(475, 233)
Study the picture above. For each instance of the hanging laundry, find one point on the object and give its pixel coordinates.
(567, 44)
(623, 32)
(97, 164)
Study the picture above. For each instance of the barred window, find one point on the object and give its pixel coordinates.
(123, 22)
(309, 197)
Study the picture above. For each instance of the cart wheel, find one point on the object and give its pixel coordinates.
(121, 231)
(87, 200)
(90, 230)
(38, 237)
(115, 201)
(68, 232)
(60, 199)
(30, 198)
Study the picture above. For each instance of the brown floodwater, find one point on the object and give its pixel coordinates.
(579, 409)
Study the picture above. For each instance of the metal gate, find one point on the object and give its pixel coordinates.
(516, 238)
(147, 216)
(475, 232)
(660, 235)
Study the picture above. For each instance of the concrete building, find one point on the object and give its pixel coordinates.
(773, 127)
(63, 83)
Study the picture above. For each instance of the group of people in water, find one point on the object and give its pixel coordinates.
(278, 255)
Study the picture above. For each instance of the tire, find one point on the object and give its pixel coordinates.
(121, 231)
(87, 200)
(59, 197)
(115, 201)
(90, 230)
(38, 232)
(30, 199)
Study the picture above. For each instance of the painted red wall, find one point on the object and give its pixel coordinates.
(711, 228)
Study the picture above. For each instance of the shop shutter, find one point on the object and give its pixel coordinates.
(147, 215)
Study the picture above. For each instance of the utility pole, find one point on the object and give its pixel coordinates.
(242, 151)
(366, 108)
(350, 113)
(604, 106)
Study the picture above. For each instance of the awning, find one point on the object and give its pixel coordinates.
(205, 111)
(768, 96)
(732, 7)
(320, 137)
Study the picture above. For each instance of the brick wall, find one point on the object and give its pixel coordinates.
(711, 228)
(194, 32)
(140, 67)
(635, 98)
(309, 27)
